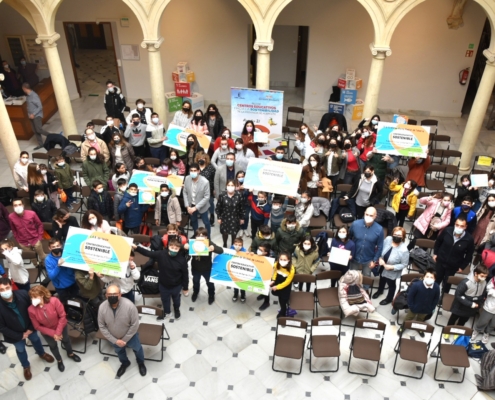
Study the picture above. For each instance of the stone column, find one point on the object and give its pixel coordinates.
(477, 114)
(263, 64)
(375, 79)
(156, 77)
(7, 135)
(58, 81)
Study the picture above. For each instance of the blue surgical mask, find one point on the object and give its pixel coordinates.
(229, 163)
(240, 180)
(172, 253)
(7, 294)
(374, 122)
(279, 156)
(194, 175)
(458, 231)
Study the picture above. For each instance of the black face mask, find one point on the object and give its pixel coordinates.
(113, 299)
(197, 118)
(57, 252)
(321, 141)
(116, 141)
(347, 146)
(201, 162)
(136, 123)
(333, 146)
(368, 175)
(142, 166)
(190, 143)
(396, 239)
(186, 110)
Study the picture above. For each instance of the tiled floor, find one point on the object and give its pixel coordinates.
(223, 351)
(95, 68)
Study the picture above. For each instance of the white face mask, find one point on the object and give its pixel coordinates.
(342, 235)
(429, 281)
(458, 231)
(446, 203)
(305, 130)
(100, 190)
(35, 302)
(275, 208)
(93, 221)
(230, 189)
(304, 200)
(224, 147)
(283, 263)
(238, 146)
(91, 137)
(259, 252)
(110, 123)
(306, 246)
(43, 172)
(407, 186)
(24, 160)
(140, 105)
(491, 204)
(173, 158)
(481, 278)
(19, 209)
(237, 247)
(365, 134)
(40, 198)
(368, 220)
(313, 163)
(61, 163)
(92, 157)
(164, 194)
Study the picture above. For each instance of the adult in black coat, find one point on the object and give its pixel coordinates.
(16, 326)
(114, 102)
(328, 117)
(212, 116)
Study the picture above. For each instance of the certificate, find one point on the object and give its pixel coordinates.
(199, 247)
(260, 137)
(149, 183)
(339, 256)
(479, 180)
(243, 271)
(106, 253)
(176, 137)
(278, 177)
(402, 140)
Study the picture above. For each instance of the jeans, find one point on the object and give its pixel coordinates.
(53, 344)
(166, 293)
(244, 226)
(158, 152)
(212, 207)
(70, 197)
(197, 278)
(129, 295)
(67, 293)
(20, 348)
(38, 248)
(204, 217)
(365, 267)
(349, 177)
(135, 345)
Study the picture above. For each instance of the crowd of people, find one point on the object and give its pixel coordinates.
(258, 222)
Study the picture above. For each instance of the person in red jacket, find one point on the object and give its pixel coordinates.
(48, 317)
(27, 230)
(417, 170)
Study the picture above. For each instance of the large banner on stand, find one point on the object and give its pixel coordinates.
(265, 108)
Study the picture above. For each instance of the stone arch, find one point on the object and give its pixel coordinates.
(149, 14)
(39, 13)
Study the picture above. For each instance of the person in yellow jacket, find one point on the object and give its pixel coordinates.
(283, 274)
(405, 199)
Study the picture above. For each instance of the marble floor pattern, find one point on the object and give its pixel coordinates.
(95, 68)
(223, 351)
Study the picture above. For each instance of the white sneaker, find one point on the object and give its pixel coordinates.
(486, 336)
(242, 233)
(247, 234)
(474, 336)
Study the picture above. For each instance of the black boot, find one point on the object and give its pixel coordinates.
(212, 219)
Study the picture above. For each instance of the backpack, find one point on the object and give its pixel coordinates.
(346, 215)
(70, 149)
(422, 259)
(321, 241)
(7, 195)
(488, 258)
(400, 300)
(148, 283)
(476, 350)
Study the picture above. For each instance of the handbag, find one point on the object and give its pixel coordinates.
(62, 195)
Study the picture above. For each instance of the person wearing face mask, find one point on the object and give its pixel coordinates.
(464, 189)
(15, 264)
(65, 180)
(196, 194)
(36, 181)
(183, 117)
(198, 123)
(94, 221)
(264, 249)
(107, 131)
(349, 168)
(126, 284)
(92, 142)
(193, 148)
(90, 286)
(306, 259)
(117, 198)
(486, 222)
(135, 133)
(417, 170)
(260, 210)
(121, 152)
(239, 186)
(394, 258)
(62, 221)
(422, 298)
(365, 145)
(214, 121)
(225, 134)
(120, 172)
(114, 102)
(63, 278)
(118, 320)
(48, 316)
(312, 175)
(453, 251)
(405, 200)
(141, 165)
(156, 133)
(303, 141)
(368, 237)
(43, 206)
(486, 322)
(465, 209)
(173, 274)
(145, 113)
(247, 136)
(131, 210)
(225, 173)
(238, 246)
(16, 326)
(220, 154)
(201, 266)
(101, 201)
(341, 241)
(277, 213)
(167, 207)
(304, 210)
(288, 235)
(242, 154)
(265, 235)
(27, 71)
(469, 297)
(94, 168)
(333, 161)
(20, 171)
(319, 145)
(178, 166)
(372, 123)
(283, 274)
(208, 171)
(230, 212)
(364, 192)
(279, 155)
(51, 182)
(485, 191)
(27, 230)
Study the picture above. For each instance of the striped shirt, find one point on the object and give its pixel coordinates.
(181, 119)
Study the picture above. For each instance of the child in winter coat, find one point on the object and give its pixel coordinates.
(277, 214)
(132, 210)
(101, 201)
(265, 235)
(43, 206)
(117, 198)
(486, 322)
(260, 211)
(306, 259)
(283, 274)
(405, 199)
(13, 261)
(352, 296)
(65, 180)
(304, 211)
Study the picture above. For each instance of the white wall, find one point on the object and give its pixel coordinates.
(283, 59)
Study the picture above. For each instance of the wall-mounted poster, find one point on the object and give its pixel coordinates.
(130, 52)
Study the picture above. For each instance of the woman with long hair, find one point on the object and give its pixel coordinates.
(62, 221)
(242, 154)
(177, 166)
(121, 152)
(342, 241)
(192, 149)
(120, 171)
(304, 210)
(35, 181)
(225, 134)
(198, 123)
(214, 121)
(303, 141)
(230, 212)
(94, 221)
(247, 136)
(184, 116)
(94, 167)
(312, 176)
(306, 259)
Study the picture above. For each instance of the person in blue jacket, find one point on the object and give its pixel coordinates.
(131, 209)
(260, 211)
(63, 278)
(466, 209)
